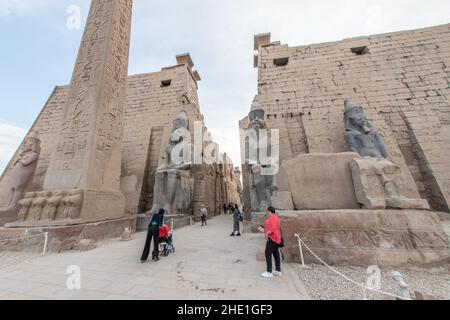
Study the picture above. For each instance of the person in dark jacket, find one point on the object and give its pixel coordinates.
(236, 221)
(153, 233)
(225, 208)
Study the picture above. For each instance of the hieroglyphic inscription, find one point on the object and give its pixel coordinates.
(93, 122)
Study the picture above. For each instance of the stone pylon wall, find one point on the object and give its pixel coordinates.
(401, 79)
(149, 110)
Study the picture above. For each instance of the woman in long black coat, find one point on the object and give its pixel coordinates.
(153, 232)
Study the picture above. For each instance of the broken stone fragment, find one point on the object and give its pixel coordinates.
(85, 245)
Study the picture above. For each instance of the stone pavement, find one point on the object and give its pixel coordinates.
(208, 264)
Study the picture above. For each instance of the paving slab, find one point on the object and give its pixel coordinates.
(208, 265)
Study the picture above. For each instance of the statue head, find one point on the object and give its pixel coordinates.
(180, 128)
(256, 116)
(181, 121)
(31, 143)
(355, 119)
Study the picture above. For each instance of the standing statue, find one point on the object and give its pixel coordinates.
(262, 186)
(22, 173)
(361, 136)
(172, 179)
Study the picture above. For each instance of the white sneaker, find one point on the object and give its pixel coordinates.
(277, 273)
(267, 275)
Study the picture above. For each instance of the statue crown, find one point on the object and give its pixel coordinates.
(350, 107)
(182, 119)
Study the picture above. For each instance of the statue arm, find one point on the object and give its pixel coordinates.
(29, 159)
(381, 145)
(183, 167)
(351, 141)
(165, 163)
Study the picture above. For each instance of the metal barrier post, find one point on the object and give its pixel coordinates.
(45, 243)
(301, 250)
(363, 285)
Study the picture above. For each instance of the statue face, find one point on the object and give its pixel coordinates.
(177, 124)
(359, 120)
(256, 124)
(28, 145)
(181, 122)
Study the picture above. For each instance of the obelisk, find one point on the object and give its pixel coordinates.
(85, 166)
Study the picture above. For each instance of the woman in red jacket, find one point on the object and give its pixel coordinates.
(272, 231)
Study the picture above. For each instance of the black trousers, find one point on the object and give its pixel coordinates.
(204, 220)
(153, 233)
(272, 250)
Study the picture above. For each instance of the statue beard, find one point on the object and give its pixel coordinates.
(24, 151)
(366, 129)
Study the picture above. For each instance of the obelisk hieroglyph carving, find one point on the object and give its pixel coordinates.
(85, 164)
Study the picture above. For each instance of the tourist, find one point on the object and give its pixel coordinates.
(203, 214)
(225, 208)
(230, 208)
(272, 231)
(153, 233)
(237, 218)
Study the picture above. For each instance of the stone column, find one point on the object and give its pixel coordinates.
(87, 156)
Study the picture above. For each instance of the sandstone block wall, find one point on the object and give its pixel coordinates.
(153, 101)
(401, 79)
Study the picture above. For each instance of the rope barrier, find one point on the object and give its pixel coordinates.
(342, 275)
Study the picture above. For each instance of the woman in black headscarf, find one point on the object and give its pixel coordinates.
(153, 232)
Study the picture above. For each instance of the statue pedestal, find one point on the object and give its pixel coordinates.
(379, 185)
(65, 208)
(318, 181)
(387, 238)
(64, 238)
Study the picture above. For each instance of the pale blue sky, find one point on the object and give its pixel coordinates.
(39, 51)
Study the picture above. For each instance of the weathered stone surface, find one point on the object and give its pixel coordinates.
(256, 151)
(146, 127)
(127, 234)
(397, 238)
(282, 200)
(87, 154)
(424, 296)
(85, 245)
(83, 178)
(402, 82)
(320, 181)
(152, 102)
(63, 238)
(379, 185)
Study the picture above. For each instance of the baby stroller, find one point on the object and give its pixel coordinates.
(166, 246)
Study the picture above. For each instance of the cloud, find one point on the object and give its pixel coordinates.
(11, 137)
(219, 36)
(19, 7)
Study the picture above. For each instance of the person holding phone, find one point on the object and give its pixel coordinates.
(272, 231)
